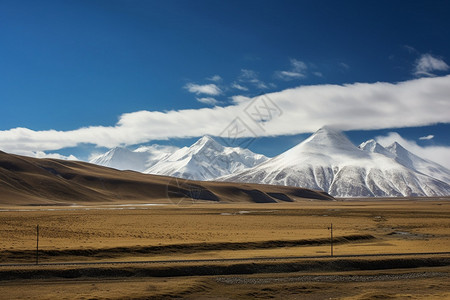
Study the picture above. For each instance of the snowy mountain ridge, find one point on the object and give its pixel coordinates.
(409, 160)
(328, 161)
(206, 159)
(137, 160)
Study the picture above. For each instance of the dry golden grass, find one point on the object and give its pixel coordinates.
(397, 227)
(420, 283)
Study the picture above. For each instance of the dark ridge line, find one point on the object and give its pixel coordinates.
(337, 264)
(186, 248)
(274, 258)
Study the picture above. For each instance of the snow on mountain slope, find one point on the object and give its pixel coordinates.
(138, 160)
(328, 161)
(415, 162)
(373, 146)
(409, 160)
(206, 159)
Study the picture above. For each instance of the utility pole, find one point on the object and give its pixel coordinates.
(37, 244)
(331, 238)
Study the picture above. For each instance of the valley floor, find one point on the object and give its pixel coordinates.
(223, 231)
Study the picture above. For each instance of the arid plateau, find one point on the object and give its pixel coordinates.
(207, 240)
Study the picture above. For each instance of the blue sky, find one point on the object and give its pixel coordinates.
(75, 72)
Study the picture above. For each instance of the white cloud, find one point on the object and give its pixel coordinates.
(154, 151)
(318, 74)
(208, 89)
(344, 65)
(298, 66)
(251, 76)
(215, 78)
(411, 49)
(157, 149)
(260, 85)
(42, 154)
(427, 64)
(240, 99)
(297, 70)
(439, 154)
(248, 74)
(428, 137)
(239, 87)
(288, 75)
(208, 100)
(358, 106)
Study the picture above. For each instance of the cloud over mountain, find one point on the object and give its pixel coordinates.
(355, 106)
(439, 154)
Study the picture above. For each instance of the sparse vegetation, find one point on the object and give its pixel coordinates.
(170, 232)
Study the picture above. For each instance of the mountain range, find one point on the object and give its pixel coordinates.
(326, 161)
(27, 181)
(206, 159)
(139, 160)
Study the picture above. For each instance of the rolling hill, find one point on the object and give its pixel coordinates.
(32, 181)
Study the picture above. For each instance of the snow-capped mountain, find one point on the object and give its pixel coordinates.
(409, 160)
(206, 159)
(328, 161)
(138, 160)
(373, 146)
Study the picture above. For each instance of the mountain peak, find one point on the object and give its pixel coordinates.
(374, 147)
(328, 161)
(330, 137)
(368, 144)
(396, 145)
(327, 130)
(119, 150)
(397, 149)
(206, 138)
(207, 142)
(206, 159)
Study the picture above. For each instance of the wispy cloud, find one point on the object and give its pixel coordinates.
(439, 154)
(247, 74)
(288, 75)
(208, 100)
(428, 137)
(250, 76)
(358, 106)
(215, 78)
(344, 65)
(318, 74)
(427, 64)
(411, 49)
(297, 70)
(239, 87)
(298, 65)
(207, 89)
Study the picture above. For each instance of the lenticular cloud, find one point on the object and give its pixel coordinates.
(303, 109)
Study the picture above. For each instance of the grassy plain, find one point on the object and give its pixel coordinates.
(199, 231)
